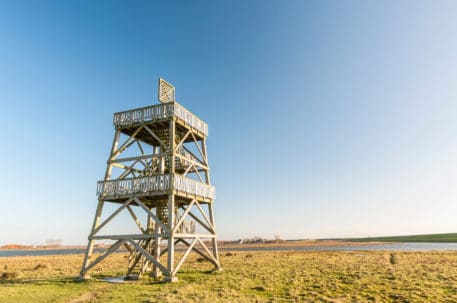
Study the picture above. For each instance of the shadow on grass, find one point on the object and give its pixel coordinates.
(185, 275)
(64, 280)
(54, 280)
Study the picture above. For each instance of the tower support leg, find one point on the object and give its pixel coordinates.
(170, 277)
(90, 246)
(214, 239)
(156, 272)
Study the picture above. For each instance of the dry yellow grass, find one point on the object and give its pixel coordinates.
(291, 276)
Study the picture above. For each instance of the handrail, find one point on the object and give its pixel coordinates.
(143, 114)
(157, 112)
(195, 187)
(156, 183)
(190, 118)
(133, 185)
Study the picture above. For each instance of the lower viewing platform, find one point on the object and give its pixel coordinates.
(155, 185)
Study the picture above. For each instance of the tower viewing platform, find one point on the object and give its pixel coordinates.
(158, 171)
(158, 185)
(126, 120)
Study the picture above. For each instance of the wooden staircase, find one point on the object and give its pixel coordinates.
(137, 263)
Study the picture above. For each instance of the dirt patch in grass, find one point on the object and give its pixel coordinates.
(40, 266)
(91, 296)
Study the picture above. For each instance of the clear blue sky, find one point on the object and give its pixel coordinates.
(326, 118)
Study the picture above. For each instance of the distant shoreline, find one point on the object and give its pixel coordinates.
(265, 247)
(300, 243)
(425, 238)
(44, 248)
(286, 243)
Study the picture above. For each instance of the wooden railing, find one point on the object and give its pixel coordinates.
(191, 119)
(157, 183)
(194, 187)
(157, 112)
(133, 185)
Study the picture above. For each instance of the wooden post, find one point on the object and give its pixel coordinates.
(156, 273)
(214, 240)
(171, 206)
(90, 245)
(113, 150)
(98, 212)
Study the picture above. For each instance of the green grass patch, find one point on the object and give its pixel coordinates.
(286, 276)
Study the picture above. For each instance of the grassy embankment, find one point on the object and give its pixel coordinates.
(433, 238)
(291, 276)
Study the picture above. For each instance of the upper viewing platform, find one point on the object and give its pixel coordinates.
(159, 113)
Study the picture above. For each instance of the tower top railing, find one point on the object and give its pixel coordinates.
(159, 112)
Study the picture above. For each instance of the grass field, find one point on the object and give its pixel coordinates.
(290, 276)
(438, 238)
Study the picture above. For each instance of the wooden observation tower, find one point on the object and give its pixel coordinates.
(166, 178)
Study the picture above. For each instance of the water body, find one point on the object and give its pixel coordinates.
(374, 247)
(43, 252)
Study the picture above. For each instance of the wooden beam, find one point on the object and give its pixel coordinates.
(208, 252)
(171, 202)
(126, 144)
(113, 148)
(187, 170)
(127, 172)
(183, 258)
(125, 167)
(198, 251)
(208, 228)
(117, 211)
(191, 161)
(155, 136)
(106, 253)
(140, 147)
(205, 248)
(198, 147)
(128, 247)
(123, 237)
(90, 245)
(154, 217)
(143, 157)
(207, 177)
(191, 236)
(148, 256)
(205, 154)
(186, 211)
(198, 174)
(193, 155)
(205, 216)
(135, 218)
(182, 140)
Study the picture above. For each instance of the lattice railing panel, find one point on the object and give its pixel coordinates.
(159, 112)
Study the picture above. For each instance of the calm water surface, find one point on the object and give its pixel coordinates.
(387, 246)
